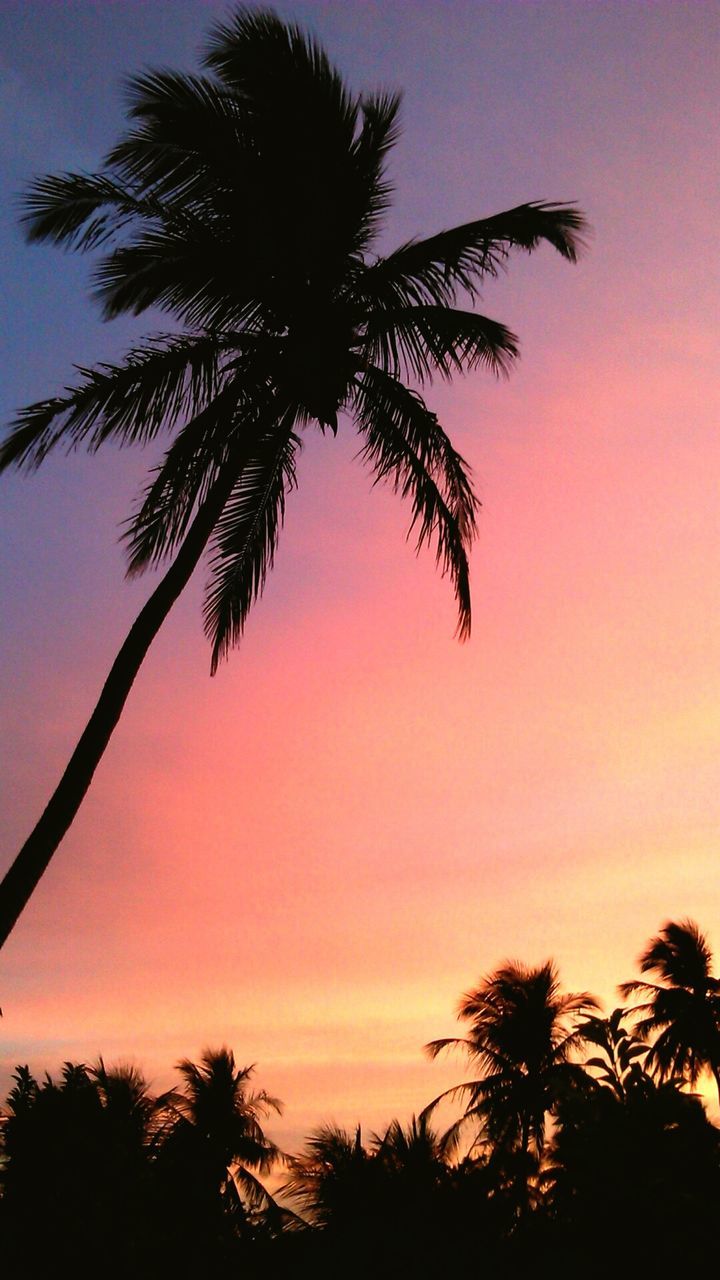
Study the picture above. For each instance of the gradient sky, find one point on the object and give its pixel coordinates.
(312, 855)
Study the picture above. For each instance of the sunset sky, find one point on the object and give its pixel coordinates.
(310, 856)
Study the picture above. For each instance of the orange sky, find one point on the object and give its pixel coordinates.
(311, 856)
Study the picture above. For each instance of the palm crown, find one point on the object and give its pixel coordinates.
(245, 201)
(523, 1033)
(682, 1010)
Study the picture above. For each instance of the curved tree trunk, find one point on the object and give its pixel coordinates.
(32, 860)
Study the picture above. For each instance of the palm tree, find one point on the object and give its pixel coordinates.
(682, 1009)
(216, 1145)
(523, 1033)
(390, 1199)
(161, 1181)
(412, 1152)
(334, 1179)
(417, 1186)
(244, 201)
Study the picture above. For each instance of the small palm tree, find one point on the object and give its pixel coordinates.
(523, 1034)
(245, 202)
(413, 1151)
(416, 1182)
(681, 1011)
(332, 1179)
(389, 1199)
(216, 1142)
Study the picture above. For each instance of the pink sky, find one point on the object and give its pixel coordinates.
(311, 856)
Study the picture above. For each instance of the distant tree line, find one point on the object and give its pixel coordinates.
(579, 1143)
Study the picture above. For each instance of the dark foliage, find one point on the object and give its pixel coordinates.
(681, 1011)
(609, 1161)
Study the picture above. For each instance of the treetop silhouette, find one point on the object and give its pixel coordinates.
(523, 1034)
(681, 1012)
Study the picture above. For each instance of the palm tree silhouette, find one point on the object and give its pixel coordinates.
(682, 1010)
(333, 1180)
(416, 1185)
(162, 1181)
(523, 1033)
(244, 201)
(389, 1199)
(413, 1152)
(216, 1143)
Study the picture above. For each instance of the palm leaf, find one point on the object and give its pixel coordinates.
(65, 208)
(405, 444)
(434, 270)
(190, 136)
(181, 483)
(423, 340)
(131, 402)
(321, 174)
(279, 69)
(680, 955)
(246, 538)
(253, 1191)
(378, 134)
(187, 275)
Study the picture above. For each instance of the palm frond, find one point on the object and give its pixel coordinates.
(172, 170)
(476, 1090)
(423, 340)
(79, 210)
(130, 402)
(436, 1047)
(432, 271)
(577, 1002)
(638, 987)
(680, 955)
(487, 1115)
(493, 1062)
(405, 444)
(380, 129)
(378, 134)
(246, 538)
(181, 483)
(191, 137)
(276, 66)
(186, 275)
(253, 1191)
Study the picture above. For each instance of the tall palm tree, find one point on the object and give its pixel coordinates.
(682, 1009)
(244, 201)
(523, 1034)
